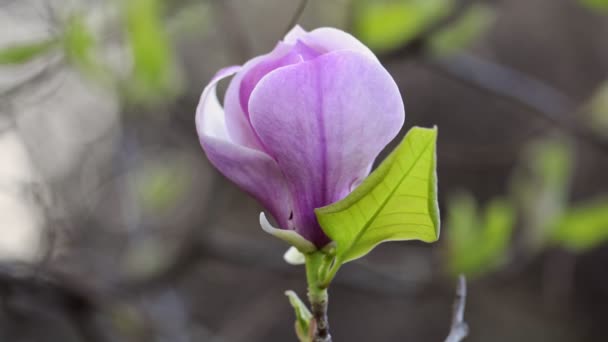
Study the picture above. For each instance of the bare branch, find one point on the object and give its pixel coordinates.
(518, 88)
(498, 80)
(459, 329)
(297, 15)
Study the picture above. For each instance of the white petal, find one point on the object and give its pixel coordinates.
(294, 257)
(294, 34)
(210, 119)
(289, 236)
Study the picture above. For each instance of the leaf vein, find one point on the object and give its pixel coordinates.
(385, 201)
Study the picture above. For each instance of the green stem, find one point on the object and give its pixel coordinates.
(330, 272)
(316, 266)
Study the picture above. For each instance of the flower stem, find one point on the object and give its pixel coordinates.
(316, 264)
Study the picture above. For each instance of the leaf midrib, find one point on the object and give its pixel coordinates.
(390, 195)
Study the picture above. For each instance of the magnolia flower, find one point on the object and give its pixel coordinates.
(301, 126)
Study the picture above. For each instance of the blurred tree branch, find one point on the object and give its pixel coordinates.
(459, 329)
(50, 69)
(296, 16)
(498, 80)
(518, 88)
(46, 291)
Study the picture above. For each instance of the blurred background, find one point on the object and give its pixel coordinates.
(114, 227)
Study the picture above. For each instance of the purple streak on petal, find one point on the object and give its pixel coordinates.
(325, 121)
(252, 170)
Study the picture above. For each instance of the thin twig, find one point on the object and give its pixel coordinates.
(518, 88)
(498, 80)
(297, 15)
(53, 67)
(320, 321)
(459, 329)
(318, 297)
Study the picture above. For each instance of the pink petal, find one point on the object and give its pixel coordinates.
(328, 39)
(324, 121)
(294, 34)
(237, 120)
(252, 170)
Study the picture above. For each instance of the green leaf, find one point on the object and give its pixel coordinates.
(465, 31)
(583, 227)
(160, 187)
(398, 201)
(303, 316)
(25, 52)
(385, 24)
(153, 65)
(541, 185)
(601, 5)
(79, 43)
(478, 243)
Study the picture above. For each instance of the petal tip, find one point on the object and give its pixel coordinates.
(209, 117)
(289, 236)
(294, 257)
(294, 34)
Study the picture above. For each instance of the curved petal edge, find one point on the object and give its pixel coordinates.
(252, 170)
(289, 236)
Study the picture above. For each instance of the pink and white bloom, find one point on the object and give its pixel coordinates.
(301, 126)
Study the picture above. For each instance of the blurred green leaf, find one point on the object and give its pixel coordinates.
(147, 256)
(79, 44)
(385, 24)
(551, 162)
(160, 186)
(541, 184)
(583, 227)
(25, 52)
(601, 5)
(474, 23)
(462, 220)
(153, 65)
(398, 201)
(478, 243)
(128, 319)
